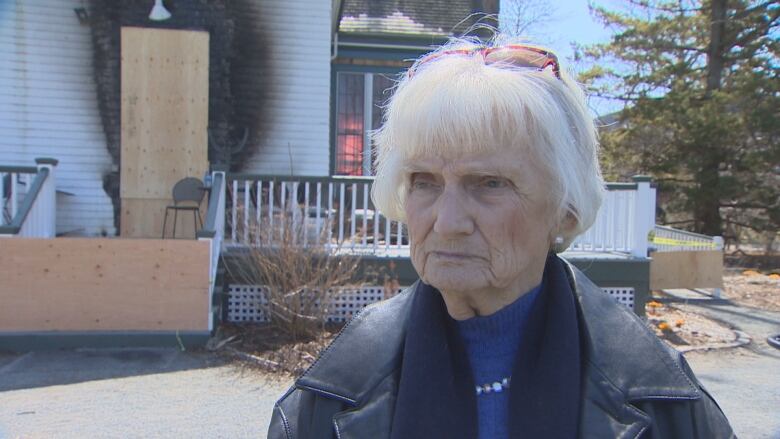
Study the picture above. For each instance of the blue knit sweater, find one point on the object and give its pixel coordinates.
(492, 343)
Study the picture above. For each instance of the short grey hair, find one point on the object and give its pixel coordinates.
(457, 104)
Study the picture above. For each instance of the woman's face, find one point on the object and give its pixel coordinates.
(480, 221)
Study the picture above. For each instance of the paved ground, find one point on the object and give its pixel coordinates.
(153, 393)
(744, 381)
(129, 393)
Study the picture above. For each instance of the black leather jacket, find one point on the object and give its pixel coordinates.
(633, 384)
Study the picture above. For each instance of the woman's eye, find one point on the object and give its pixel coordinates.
(494, 183)
(420, 182)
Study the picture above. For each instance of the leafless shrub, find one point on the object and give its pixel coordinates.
(302, 281)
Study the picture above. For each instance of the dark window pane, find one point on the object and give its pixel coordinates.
(349, 124)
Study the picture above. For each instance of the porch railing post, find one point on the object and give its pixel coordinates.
(719, 244)
(42, 220)
(214, 232)
(644, 215)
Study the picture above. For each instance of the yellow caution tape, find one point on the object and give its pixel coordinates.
(670, 241)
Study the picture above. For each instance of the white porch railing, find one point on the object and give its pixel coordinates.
(333, 212)
(337, 212)
(214, 232)
(668, 239)
(625, 220)
(28, 200)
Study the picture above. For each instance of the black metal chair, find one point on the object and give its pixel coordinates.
(186, 191)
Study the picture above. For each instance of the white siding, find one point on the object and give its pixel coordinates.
(298, 94)
(48, 107)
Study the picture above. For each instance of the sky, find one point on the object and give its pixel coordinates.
(572, 22)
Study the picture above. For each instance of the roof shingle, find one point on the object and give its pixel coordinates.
(414, 17)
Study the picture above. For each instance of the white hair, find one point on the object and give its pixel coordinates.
(456, 104)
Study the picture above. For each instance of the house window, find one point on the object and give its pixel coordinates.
(357, 113)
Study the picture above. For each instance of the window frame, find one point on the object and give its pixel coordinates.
(368, 73)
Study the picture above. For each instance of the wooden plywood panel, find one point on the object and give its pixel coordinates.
(164, 112)
(686, 269)
(71, 284)
(144, 217)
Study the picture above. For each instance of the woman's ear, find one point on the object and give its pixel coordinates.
(568, 224)
(561, 235)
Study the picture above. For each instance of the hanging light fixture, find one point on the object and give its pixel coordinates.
(159, 13)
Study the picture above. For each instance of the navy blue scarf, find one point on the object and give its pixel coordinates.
(436, 397)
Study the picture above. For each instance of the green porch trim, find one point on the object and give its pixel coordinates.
(46, 161)
(423, 41)
(52, 340)
(621, 186)
(19, 169)
(642, 178)
(606, 273)
(399, 47)
(377, 268)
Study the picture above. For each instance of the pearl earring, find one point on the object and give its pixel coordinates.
(558, 244)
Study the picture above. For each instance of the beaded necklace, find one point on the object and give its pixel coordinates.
(494, 387)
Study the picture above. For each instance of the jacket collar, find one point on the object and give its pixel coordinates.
(366, 351)
(645, 370)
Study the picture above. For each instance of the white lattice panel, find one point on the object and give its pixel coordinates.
(350, 302)
(246, 302)
(624, 295)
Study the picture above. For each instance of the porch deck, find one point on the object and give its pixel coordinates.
(97, 292)
(336, 214)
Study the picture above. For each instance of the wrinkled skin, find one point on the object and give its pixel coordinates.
(480, 227)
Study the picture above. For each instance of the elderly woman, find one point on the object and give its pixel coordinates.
(489, 154)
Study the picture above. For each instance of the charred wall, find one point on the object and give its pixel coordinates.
(236, 70)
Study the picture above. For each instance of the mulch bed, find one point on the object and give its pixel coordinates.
(264, 347)
(686, 330)
(753, 288)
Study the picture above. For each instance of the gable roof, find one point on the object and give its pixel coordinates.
(412, 17)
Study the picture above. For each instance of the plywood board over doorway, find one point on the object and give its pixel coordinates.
(165, 84)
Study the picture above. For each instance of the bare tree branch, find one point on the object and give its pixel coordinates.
(521, 18)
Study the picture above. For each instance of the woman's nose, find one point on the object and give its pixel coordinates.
(452, 215)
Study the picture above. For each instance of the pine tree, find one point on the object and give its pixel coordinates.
(699, 80)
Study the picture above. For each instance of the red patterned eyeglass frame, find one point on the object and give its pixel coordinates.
(536, 57)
